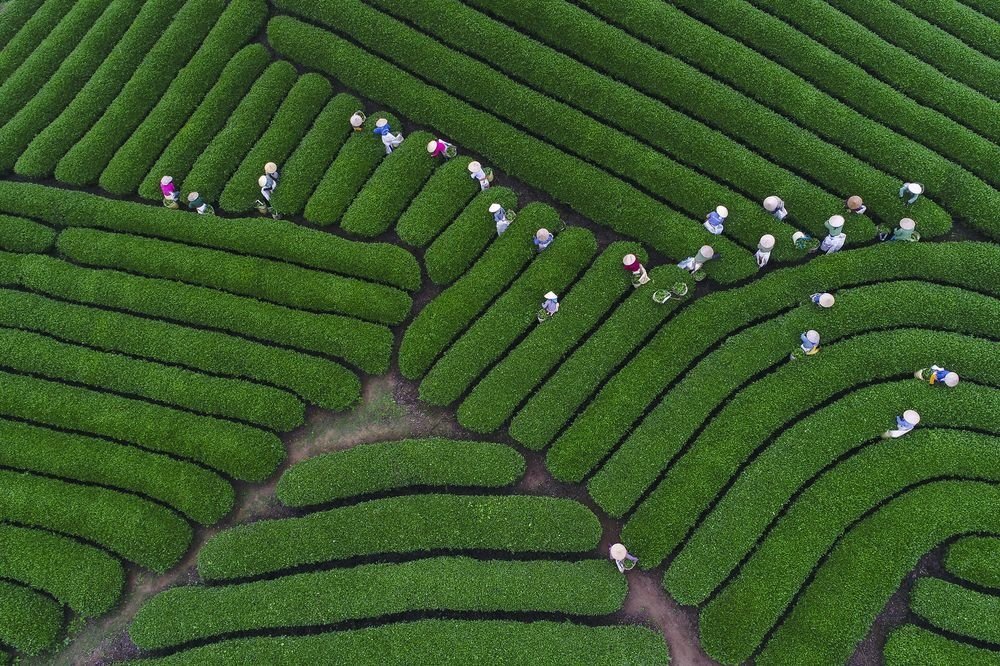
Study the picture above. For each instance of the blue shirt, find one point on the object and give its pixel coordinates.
(544, 244)
(806, 343)
(382, 131)
(903, 424)
(715, 219)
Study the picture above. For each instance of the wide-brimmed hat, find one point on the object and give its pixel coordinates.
(766, 243)
(551, 296)
(618, 551)
(722, 211)
(826, 300)
(357, 120)
(270, 167)
(381, 122)
(193, 196)
(812, 336)
(914, 188)
(771, 203)
(166, 179)
(907, 224)
(706, 251)
(855, 202)
(431, 145)
(911, 416)
(542, 234)
(262, 181)
(475, 166)
(836, 221)
(495, 208)
(951, 379)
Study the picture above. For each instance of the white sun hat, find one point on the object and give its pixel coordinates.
(826, 300)
(812, 336)
(911, 416)
(618, 551)
(628, 260)
(475, 166)
(262, 181)
(907, 224)
(270, 167)
(707, 252)
(771, 203)
(722, 211)
(914, 188)
(431, 145)
(542, 234)
(836, 221)
(381, 122)
(551, 296)
(495, 208)
(951, 380)
(357, 120)
(193, 196)
(855, 202)
(766, 243)
(166, 179)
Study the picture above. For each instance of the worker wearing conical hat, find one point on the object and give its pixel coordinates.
(479, 175)
(715, 220)
(905, 230)
(776, 207)
(543, 238)
(695, 263)
(358, 120)
(621, 557)
(171, 196)
(499, 217)
(937, 376)
(836, 236)
(550, 306)
(439, 148)
(904, 424)
(764, 247)
(389, 140)
(910, 192)
(856, 205)
(196, 202)
(810, 342)
(631, 263)
(823, 300)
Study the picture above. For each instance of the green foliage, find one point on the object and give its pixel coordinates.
(913, 646)
(306, 166)
(441, 643)
(439, 202)
(347, 173)
(444, 318)
(495, 398)
(961, 21)
(137, 530)
(268, 280)
(694, 399)
(85, 161)
(187, 144)
(411, 524)
(222, 157)
(235, 449)
(237, 24)
(181, 614)
(975, 559)
(31, 621)
(290, 123)
(14, 17)
(20, 235)
(394, 184)
(956, 609)
(31, 33)
(866, 567)
(579, 376)
(363, 344)
(274, 239)
(39, 160)
(196, 492)
(736, 621)
(317, 380)
(458, 246)
(85, 578)
(587, 189)
(374, 468)
(940, 123)
(43, 356)
(510, 316)
(44, 96)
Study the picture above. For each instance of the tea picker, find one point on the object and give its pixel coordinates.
(623, 560)
(715, 220)
(631, 263)
(905, 231)
(502, 217)
(196, 202)
(439, 148)
(543, 238)
(804, 242)
(836, 236)
(809, 346)
(271, 172)
(171, 196)
(695, 263)
(936, 375)
(856, 205)
(904, 424)
(775, 207)
(358, 120)
(389, 140)
(823, 300)
(550, 306)
(911, 190)
(764, 247)
(266, 190)
(481, 175)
